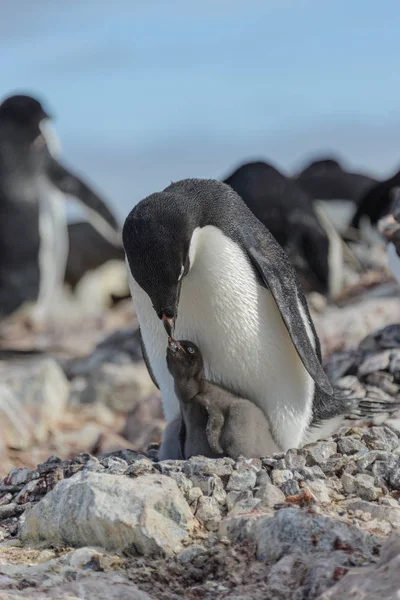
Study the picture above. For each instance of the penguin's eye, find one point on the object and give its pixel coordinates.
(190, 350)
(181, 273)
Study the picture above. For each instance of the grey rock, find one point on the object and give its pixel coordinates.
(384, 381)
(121, 387)
(375, 362)
(279, 476)
(270, 495)
(351, 445)
(373, 582)
(293, 530)
(189, 554)
(320, 491)
(223, 467)
(348, 482)
(242, 480)
(387, 337)
(320, 452)
(232, 498)
(380, 438)
(94, 465)
(33, 399)
(240, 527)
(368, 459)
(207, 483)
(295, 460)
(208, 512)
(262, 479)
(114, 465)
(219, 493)
(280, 464)
(365, 487)
(391, 514)
(339, 364)
(104, 586)
(269, 461)
(147, 514)
(18, 477)
(193, 495)
(286, 576)
(382, 470)
(394, 476)
(350, 382)
(314, 472)
(10, 510)
(290, 487)
(142, 466)
(394, 366)
(184, 483)
(244, 506)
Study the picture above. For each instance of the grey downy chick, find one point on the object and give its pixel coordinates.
(215, 422)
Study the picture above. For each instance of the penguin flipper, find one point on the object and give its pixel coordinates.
(146, 360)
(214, 426)
(100, 216)
(284, 289)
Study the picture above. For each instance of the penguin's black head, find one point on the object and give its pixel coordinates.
(156, 237)
(184, 360)
(23, 111)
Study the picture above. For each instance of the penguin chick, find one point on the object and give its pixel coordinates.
(215, 422)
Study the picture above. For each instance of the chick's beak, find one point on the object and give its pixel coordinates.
(175, 346)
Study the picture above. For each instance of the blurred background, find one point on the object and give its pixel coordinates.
(147, 92)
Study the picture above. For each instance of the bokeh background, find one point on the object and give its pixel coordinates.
(145, 92)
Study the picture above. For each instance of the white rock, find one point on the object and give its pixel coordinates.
(120, 387)
(147, 514)
(33, 399)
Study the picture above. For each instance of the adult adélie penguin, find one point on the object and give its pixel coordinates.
(203, 268)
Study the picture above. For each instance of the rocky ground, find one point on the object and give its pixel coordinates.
(101, 518)
(305, 524)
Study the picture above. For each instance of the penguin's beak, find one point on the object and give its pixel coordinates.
(169, 324)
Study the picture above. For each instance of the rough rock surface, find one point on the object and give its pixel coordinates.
(202, 527)
(33, 398)
(147, 515)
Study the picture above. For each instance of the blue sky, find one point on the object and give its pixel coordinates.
(145, 92)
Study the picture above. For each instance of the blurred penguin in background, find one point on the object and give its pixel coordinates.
(33, 222)
(374, 205)
(302, 229)
(340, 191)
(389, 226)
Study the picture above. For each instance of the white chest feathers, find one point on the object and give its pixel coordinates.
(238, 328)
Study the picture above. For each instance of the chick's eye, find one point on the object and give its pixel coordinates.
(190, 350)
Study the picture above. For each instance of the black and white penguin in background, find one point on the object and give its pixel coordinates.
(375, 204)
(33, 225)
(389, 226)
(202, 267)
(306, 234)
(336, 189)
